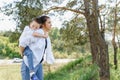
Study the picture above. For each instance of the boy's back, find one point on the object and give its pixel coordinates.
(26, 37)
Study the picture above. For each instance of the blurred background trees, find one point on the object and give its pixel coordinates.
(85, 30)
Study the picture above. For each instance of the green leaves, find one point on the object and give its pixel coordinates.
(74, 32)
(23, 11)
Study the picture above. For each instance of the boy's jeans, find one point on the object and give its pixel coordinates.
(29, 54)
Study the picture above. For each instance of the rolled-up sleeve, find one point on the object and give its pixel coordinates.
(49, 54)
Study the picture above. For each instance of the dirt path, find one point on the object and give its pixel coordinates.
(12, 61)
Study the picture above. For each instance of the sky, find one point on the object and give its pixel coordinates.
(7, 24)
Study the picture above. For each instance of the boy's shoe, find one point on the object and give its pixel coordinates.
(34, 77)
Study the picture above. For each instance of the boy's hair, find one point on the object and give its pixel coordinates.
(37, 19)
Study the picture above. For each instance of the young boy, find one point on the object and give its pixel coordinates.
(27, 38)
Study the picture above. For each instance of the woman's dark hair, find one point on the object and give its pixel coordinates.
(40, 20)
(43, 19)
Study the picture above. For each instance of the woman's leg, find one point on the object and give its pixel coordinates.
(25, 72)
(39, 72)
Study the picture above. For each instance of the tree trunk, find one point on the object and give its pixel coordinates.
(99, 48)
(115, 47)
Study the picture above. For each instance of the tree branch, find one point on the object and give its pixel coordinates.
(64, 8)
(118, 3)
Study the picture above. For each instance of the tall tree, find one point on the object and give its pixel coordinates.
(99, 47)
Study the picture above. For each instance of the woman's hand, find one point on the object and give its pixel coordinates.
(21, 50)
(21, 54)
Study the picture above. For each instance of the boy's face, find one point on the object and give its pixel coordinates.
(34, 25)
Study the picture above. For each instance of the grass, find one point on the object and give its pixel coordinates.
(80, 69)
(12, 72)
(114, 74)
(71, 71)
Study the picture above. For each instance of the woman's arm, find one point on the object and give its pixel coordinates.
(21, 50)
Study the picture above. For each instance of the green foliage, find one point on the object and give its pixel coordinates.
(74, 33)
(57, 43)
(14, 36)
(76, 70)
(30, 9)
(114, 74)
(23, 11)
(8, 49)
(5, 33)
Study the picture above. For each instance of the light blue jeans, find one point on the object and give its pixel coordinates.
(25, 71)
(28, 52)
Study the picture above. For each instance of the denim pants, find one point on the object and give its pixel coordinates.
(25, 71)
(29, 54)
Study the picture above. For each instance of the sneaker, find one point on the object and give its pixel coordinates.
(34, 77)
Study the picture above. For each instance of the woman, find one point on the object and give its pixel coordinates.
(38, 49)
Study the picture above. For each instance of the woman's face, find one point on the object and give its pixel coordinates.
(47, 24)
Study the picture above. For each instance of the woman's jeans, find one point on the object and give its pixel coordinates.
(28, 52)
(25, 71)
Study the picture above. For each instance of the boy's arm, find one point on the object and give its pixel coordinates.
(36, 34)
(21, 50)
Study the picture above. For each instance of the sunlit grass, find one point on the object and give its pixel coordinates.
(81, 69)
(12, 72)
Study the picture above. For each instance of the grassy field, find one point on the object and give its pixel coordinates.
(12, 72)
(81, 69)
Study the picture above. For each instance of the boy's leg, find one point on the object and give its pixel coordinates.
(29, 54)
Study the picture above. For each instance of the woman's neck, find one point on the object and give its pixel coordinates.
(45, 30)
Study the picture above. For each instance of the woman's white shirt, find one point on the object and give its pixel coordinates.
(38, 48)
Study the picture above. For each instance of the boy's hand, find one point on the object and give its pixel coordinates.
(36, 34)
(45, 35)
